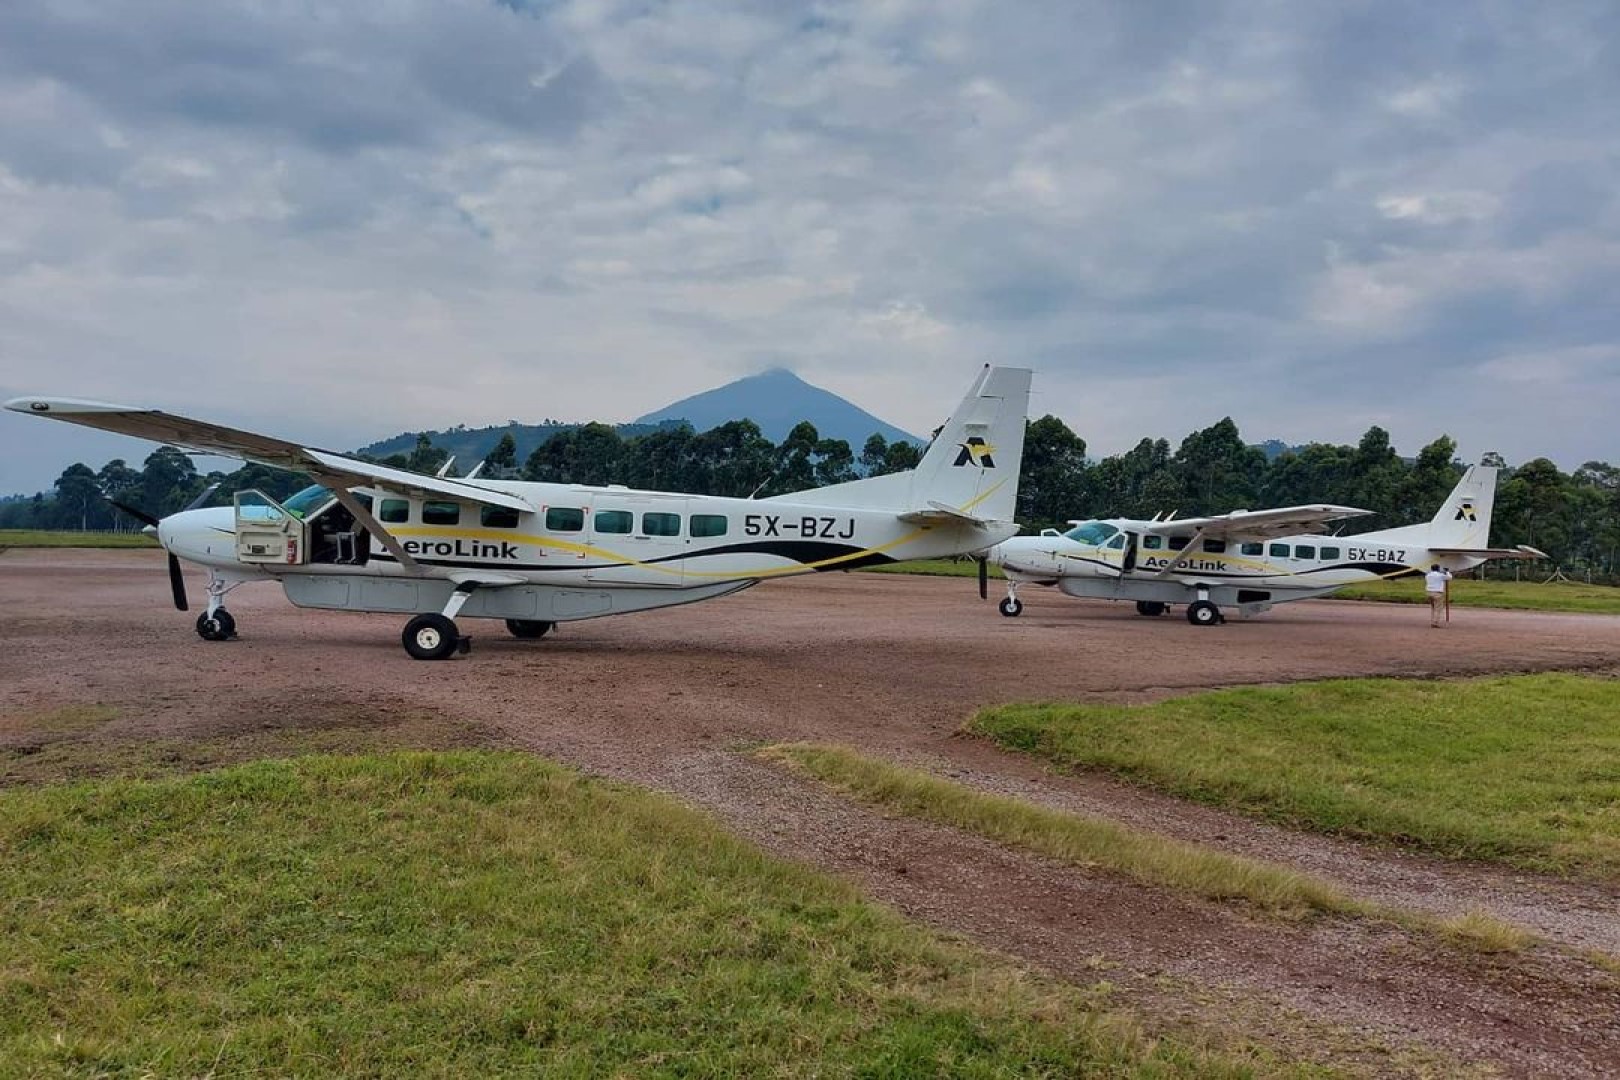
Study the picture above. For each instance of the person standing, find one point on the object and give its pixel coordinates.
(1436, 583)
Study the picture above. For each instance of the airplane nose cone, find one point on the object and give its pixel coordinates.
(200, 536)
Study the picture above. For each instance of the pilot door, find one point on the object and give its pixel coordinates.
(267, 533)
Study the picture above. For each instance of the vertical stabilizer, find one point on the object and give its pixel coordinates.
(971, 468)
(1464, 520)
(972, 465)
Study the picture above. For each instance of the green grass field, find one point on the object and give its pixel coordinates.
(1520, 769)
(1519, 595)
(480, 913)
(38, 538)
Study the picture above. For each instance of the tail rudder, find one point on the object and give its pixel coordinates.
(973, 463)
(1464, 519)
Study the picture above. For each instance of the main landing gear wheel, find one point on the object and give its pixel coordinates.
(1151, 607)
(219, 626)
(1011, 607)
(431, 637)
(1204, 613)
(528, 629)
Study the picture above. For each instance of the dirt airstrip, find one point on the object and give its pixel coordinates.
(894, 665)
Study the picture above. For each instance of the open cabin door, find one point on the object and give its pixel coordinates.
(268, 533)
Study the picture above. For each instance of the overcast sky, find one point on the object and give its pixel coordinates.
(338, 221)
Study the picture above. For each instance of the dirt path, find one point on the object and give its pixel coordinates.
(894, 665)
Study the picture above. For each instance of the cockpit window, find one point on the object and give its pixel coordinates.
(1091, 532)
(305, 503)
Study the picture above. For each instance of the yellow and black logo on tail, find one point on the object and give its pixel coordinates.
(975, 451)
(1465, 512)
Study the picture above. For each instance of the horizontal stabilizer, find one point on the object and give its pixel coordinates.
(938, 511)
(1523, 551)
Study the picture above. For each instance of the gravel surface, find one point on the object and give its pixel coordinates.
(894, 665)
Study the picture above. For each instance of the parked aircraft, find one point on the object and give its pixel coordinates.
(1253, 559)
(372, 538)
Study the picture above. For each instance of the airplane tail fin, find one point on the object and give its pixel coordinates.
(1464, 519)
(970, 470)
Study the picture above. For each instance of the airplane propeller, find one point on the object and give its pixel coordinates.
(984, 576)
(177, 580)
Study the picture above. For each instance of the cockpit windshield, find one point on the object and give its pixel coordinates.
(306, 502)
(1095, 533)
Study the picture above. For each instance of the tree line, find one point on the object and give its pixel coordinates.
(1574, 517)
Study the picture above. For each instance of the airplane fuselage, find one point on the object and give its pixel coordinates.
(585, 552)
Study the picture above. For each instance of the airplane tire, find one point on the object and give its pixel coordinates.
(217, 627)
(1203, 613)
(528, 629)
(1151, 607)
(430, 637)
(1010, 607)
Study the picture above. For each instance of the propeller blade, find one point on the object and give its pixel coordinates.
(177, 583)
(202, 498)
(135, 512)
(984, 578)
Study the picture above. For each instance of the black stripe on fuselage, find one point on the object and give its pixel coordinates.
(799, 551)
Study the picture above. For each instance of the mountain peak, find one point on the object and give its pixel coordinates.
(776, 399)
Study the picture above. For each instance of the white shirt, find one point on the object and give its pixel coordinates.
(1435, 581)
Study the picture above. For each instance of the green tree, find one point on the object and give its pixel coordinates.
(1052, 482)
(501, 462)
(734, 459)
(79, 503)
(168, 481)
(425, 457)
(1217, 470)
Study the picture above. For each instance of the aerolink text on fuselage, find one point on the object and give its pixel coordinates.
(461, 549)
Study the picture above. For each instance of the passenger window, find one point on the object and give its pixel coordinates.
(1253, 549)
(565, 519)
(1304, 551)
(1215, 546)
(441, 513)
(497, 517)
(1279, 551)
(1178, 542)
(661, 524)
(708, 525)
(614, 521)
(394, 511)
(1330, 553)
(1152, 543)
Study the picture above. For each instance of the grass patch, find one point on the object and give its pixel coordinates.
(1143, 856)
(40, 538)
(1518, 595)
(482, 913)
(1518, 769)
(1088, 841)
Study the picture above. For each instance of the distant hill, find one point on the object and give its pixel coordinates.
(776, 400)
(470, 445)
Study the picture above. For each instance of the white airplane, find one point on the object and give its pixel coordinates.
(372, 538)
(1249, 558)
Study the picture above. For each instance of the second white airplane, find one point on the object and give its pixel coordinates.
(1250, 559)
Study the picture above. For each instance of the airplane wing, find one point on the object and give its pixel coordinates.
(329, 469)
(1258, 524)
